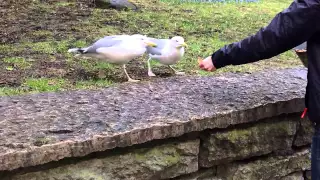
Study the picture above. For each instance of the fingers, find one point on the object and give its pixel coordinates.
(204, 65)
(209, 69)
(206, 68)
(200, 62)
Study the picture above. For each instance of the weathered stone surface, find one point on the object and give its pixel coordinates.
(77, 123)
(294, 176)
(207, 174)
(237, 144)
(304, 134)
(160, 162)
(273, 168)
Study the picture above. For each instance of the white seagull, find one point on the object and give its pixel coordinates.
(117, 49)
(167, 52)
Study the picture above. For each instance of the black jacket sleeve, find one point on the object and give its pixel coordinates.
(287, 29)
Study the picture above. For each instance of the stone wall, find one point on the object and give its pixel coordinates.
(231, 127)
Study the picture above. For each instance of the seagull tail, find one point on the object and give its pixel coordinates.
(77, 50)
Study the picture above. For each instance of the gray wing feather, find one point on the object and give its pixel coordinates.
(123, 4)
(160, 45)
(107, 41)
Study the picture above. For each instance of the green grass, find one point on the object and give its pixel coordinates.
(38, 85)
(206, 27)
(18, 62)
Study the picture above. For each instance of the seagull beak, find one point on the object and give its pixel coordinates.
(152, 44)
(183, 45)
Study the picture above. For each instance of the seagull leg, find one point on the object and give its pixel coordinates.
(129, 78)
(175, 71)
(150, 73)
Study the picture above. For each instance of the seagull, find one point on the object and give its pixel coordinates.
(167, 52)
(117, 4)
(117, 49)
(123, 4)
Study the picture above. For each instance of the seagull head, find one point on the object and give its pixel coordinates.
(145, 40)
(178, 41)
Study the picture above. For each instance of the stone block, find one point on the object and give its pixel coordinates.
(160, 162)
(244, 143)
(304, 134)
(275, 168)
(294, 176)
(40, 128)
(202, 174)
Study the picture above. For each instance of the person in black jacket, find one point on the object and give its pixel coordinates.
(297, 24)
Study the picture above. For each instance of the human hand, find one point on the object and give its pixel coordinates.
(206, 64)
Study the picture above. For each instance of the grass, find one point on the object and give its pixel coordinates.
(18, 62)
(56, 26)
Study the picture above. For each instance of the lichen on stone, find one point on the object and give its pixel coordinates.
(242, 143)
(158, 158)
(160, 162)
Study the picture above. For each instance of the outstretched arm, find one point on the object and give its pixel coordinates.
(287, 29)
